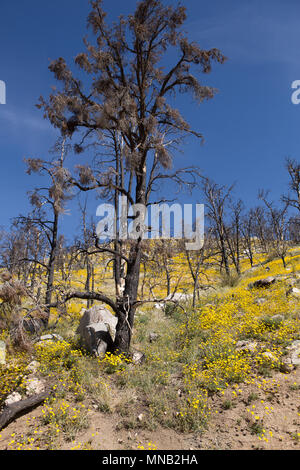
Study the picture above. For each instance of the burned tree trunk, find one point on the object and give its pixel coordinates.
(11, 412)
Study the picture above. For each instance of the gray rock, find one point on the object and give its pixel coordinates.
(295, 352)
(262, 283)
(45, 338)
(97, 329)
(295, 358)
(177, 297)
(97, 314)
(51, 337)
(98, 339)
(12, 398)
(2, 353)
(34, 386)
(260, 301)
(294, 292)
(138, 357)
(270, 356)
(248, 346)
(153, 337)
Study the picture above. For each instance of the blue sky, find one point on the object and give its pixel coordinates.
(249, 127)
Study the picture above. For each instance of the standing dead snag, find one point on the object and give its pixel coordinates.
(277, 225)
(127, 111)
(47, 221)
(216, 199)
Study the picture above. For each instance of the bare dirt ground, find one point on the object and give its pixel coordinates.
(263, 414)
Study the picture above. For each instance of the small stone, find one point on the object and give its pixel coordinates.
(246, 345)
(45, 338)
(140, 417)
(153, 337)
(138, 357)
(34, 386)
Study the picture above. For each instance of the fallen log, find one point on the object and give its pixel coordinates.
(17, 409)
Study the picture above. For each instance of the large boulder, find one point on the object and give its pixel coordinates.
(97, 329)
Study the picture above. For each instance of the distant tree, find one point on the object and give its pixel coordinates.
(48, 204)
(277, 217)
(86, 248)
(261, 229)
(198, 262)
(247, 230)
(234, 233)
(294, 229)
(217, 199)
(293, 200)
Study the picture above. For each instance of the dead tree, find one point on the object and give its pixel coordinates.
(293, 199)
(198, 264)
(233, 234)
(48, 204)
(278, 225)
(247, 230)
(217, 198)
(127, 109)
